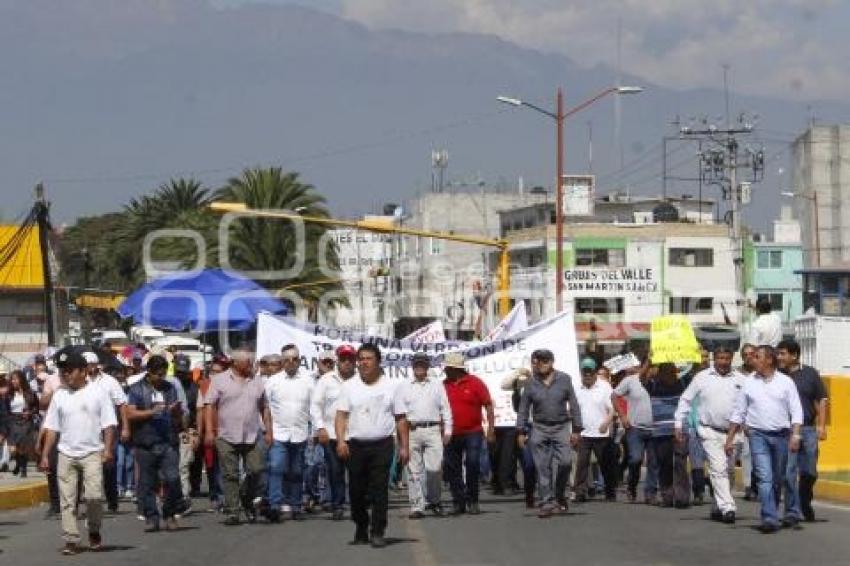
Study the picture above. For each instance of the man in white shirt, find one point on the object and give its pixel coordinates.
(767, 327)
(429, 417)
(597, 414)
(714, 392)
(369, 411)
(769, 407)
(83, 417)
(322, 415)
(288, 410)
(112, 388)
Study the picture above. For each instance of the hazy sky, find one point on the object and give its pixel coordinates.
(784, 48)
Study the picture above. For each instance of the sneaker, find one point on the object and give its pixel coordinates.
(791, 523)
(545, 512)
(171, 524)
(562, 506)
(474, 509)
(809, 514)
(361, 536)
(716, 515)
(729, 517)
(437, 510)
(768, 528)
(95, 542)
(378, 540)
(70, 549)
(184, 509)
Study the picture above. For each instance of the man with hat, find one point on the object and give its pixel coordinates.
(322, 415)
(597, 414)
(82, 418)
(116, 394)
(467, 395)
(550, 397)
(190, 442)
(430, 420)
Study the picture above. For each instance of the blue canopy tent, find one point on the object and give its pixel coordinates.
(200, 301)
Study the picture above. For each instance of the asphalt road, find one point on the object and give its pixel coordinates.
(505, 533)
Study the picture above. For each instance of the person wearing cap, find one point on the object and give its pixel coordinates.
(637, 421)
(190, 474)
(81, 422)
(467, 395)
(369, 411)
(156, 419)
(314, 457)
(597, 414)
(322, 415)
(550, 397)
(287, 408)
(430, 419)
(113, 389)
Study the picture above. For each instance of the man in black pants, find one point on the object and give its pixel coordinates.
(369, 411)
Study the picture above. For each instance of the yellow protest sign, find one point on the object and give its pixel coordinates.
(671, 339)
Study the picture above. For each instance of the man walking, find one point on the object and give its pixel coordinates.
(550, 397)
(322, 415)
(714, 392)
(800, 491)
(769, 406)
(467, 396)
(156, 419)
(235, 404)
(597, 414)
(83, 417)
(636, 420)
(429, 417)
(288, 410)
(767, 327)
(369, 410)
(190, 457)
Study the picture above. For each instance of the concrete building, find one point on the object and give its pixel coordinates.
(821, 175)
(772, 268)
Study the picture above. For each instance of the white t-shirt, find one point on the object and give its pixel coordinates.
(371, 408)
(595, 404)
(323, 402)
(79, 416)
(289, 404)
(766, 330)
(18, 404)
(111, 386)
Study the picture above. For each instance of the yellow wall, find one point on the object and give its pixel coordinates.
(835, 450)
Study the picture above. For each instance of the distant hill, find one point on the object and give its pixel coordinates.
(105, 99)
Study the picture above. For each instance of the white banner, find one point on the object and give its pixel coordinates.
(430, 333)
(491, 361)
(516, 321)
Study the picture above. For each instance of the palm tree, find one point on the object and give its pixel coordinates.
(259, 244)
(180, 203)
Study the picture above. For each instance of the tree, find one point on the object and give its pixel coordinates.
(260, 244)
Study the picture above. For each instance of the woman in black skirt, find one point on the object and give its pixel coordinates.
(23, 410)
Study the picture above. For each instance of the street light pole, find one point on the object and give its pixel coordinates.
(814, 198)
(559, 202)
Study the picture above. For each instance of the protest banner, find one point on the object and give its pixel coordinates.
(672, 340)
(516, 321)
(491, 361)
(621, 363)
(430, 333)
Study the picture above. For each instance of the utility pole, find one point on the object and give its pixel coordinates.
(42, 210)
(719, 164)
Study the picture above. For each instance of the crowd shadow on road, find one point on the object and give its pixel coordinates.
(11, 523)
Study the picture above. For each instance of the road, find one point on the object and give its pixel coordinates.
(505, 533)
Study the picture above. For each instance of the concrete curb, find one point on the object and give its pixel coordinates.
(27, 494)
(834, 491)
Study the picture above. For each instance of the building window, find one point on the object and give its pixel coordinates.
(774, 298)
(770, 259)
(691, 257)
(597, 305)
(691, 305)
(436, 246)
(600, 257)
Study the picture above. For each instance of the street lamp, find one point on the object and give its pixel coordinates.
(559, 115)
(814, 198)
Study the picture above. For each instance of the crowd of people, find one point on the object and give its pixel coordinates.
(275, 439)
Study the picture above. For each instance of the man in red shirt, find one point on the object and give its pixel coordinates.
(467, 396)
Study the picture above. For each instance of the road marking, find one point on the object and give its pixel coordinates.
(832, 506)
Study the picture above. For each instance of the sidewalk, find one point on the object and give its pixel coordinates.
(27, 492)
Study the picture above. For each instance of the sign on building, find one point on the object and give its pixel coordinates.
(578, 195)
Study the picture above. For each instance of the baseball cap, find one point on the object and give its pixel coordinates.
(90, 357)
(71, 360)
(327, 356)
(420, 358)
(39, 359)
(346, 351)
(588, 363)
(454, 360)
(182, 363)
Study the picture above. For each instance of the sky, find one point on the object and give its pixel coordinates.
(791, 49)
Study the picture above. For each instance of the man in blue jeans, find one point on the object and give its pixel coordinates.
(288, 410)
(638, 424)
(155, 416)
(803, 469)
(768, 405)
(467, 396)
